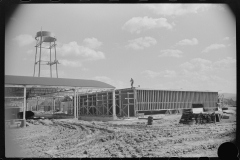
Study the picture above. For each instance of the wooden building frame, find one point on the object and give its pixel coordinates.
(131, 101)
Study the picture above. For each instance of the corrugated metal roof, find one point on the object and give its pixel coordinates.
(137, 88)
(45, 81)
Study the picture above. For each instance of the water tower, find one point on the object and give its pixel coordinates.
(45, 40)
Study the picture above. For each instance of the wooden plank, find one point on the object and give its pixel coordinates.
(158, 107)
(120, 103)
(141, 106)
(141, 99)
(168, 98)
(147, 96)
(162, 97)
(174, 102)
(165, 104)
(150, 97)
(107, 105)
(135, 101)
(154, 100)
(128, 104)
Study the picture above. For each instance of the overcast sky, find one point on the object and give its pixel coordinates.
(161, 46)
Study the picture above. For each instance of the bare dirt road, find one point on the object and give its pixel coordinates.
(128, 138)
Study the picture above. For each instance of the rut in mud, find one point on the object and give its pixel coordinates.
(69, 138)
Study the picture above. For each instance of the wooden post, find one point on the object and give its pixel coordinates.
(77, 103)
(107, 104)
(75, 112)
(120, 104)
(147, 93)
(92, 105)
(135, 101)
(158, 100)
(114, 104)
(24, 107)
(128, 103)
(87, 104)
(103, 105)
(97, 108)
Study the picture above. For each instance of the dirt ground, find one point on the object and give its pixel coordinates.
(125, 138)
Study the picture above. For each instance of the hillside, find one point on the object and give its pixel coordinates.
(229, 96)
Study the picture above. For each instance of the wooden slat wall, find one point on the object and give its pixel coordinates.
(148, 100)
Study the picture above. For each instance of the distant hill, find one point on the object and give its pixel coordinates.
(232, 96)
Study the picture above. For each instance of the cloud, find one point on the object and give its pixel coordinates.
(92, 43)
(24, 39)
(117, 84)
(204, 65)
(170, 53)
(72, 48)
(228, 63)
(85, 69)
(194, 41)
(213, 47)
(166, 73)
(30, 51)
(68, 63)
(151, 74)
(169, 73)
(200, 74)
(141, 43)
(200, 83)
(138, 24)
(197, 64)
(226, 38)
(176, 9)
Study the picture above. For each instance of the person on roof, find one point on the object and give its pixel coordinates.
(132, 81)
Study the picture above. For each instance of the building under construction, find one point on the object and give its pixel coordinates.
(131, 101)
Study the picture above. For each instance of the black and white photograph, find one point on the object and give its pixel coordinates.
(127, 80)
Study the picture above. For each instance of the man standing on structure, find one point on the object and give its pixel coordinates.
(131, 82)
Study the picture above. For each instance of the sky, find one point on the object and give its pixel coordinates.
(160, 46)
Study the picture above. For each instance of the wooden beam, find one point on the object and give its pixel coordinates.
(107, 104)
(97, 112)
(141, 107)
(75, 103)
(114, 104)
(87, 105)
(128, 103)
(120, 103)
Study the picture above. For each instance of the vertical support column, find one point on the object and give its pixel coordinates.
(50, 61)
(40, 54)
(92, 105)
(120, 104)
(107, 104)
(56, 58)
(77, 104)
(24, 108)
(87, 104)
(135, 101)
(114, 104)
(154, 100)
(103, 105)
(35, 60)
(97, 108)
(75, 112)
(128, 103)
(53, 105)
(142, 100)
(157, 100)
